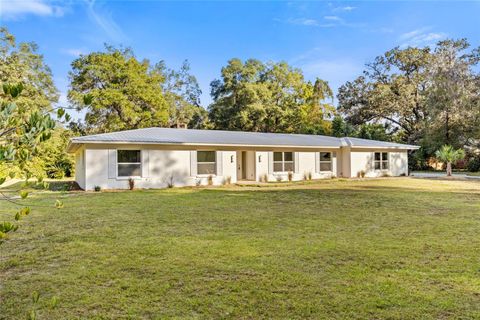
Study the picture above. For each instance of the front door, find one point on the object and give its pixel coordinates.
(244, 165)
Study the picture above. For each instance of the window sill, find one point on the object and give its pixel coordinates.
(130, 177)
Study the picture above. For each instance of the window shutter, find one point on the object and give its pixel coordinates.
(334, 163)
(317, 162)
(145, 163)
(112, 163)
(193, 163)
(270, 162)
(219, 160)
(297, 162)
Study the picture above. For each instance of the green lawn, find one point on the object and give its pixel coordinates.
(396, 248)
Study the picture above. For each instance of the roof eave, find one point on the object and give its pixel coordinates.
(73, 143)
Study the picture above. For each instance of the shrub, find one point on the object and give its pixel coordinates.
(170, 181)
(228, 180)
(305, 176)
(210, 180)
(198, 182)
(290, 176)
(474, 164)
(279, 178)
(361, 174)
(264, 178)
(97, 188)
(385, 174)
(131, 183)
(309, 176)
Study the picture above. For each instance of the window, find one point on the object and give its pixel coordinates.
(206, 162)
(283, 161)
(381, 160)
(129, 163)
(325, 161)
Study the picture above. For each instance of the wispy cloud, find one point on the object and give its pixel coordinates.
(14, 9)
(104, 20)
(303, 21)
(420, 37)
(333, 18)
(345, 8)
(329, 21)
(74, 52)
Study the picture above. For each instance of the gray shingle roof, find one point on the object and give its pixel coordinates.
(218, 137)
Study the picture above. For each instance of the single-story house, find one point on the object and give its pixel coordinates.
(156, 157)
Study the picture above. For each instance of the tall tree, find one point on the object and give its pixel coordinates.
(428, 96)
(118, 91)
(269, 97)
(454, 94)
(21, 63)
(182, 93)
(392, 90)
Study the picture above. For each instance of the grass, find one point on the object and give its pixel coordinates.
(396, 248)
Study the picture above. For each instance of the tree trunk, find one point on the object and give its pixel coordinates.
(449, 169)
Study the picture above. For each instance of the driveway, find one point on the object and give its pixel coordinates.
(441, 175)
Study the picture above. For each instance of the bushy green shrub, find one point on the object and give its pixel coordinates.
(474, 164)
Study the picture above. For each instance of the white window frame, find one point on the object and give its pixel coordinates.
(381, 161)
(329, 162)
(204, 162)
(283, 161)
(141, 168)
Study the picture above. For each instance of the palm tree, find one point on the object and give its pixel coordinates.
(448, 154)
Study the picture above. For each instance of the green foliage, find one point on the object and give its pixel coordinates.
(427, 96)
(449, 155)
(97, 188)
(121, 91)
(53, 159)
(269, 97)
(20, 63)
(182, 94)
(474, 164)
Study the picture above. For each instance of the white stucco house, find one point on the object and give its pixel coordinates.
(156, 156)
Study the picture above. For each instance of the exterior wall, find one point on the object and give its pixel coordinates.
(230, 165)
(346, 170)
(96, 166)
(96, 169)
(261, 165)
(80, 168)
(364, 160)
(306, 163)
(159, 167)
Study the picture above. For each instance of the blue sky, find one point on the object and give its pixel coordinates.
(330, 40)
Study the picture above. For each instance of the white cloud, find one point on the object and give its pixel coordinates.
(17, 9)
(346, 8)
(104, 20)
(303, 21)
(420, 37)
(73, 52)
(332, 18)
